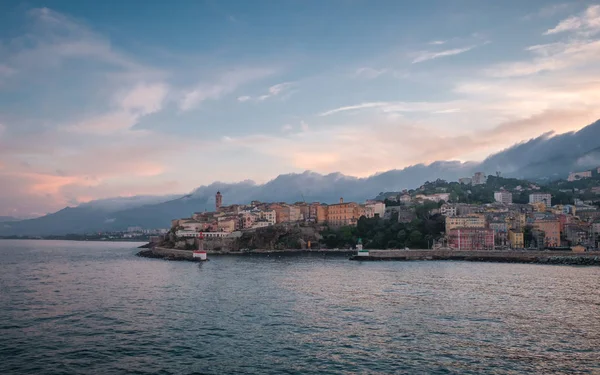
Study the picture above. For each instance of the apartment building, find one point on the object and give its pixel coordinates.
(540, 198)
(471, 221)
(504, 197)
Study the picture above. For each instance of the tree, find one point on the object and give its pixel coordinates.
(416, 239)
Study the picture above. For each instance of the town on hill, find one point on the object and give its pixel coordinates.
(482, 212)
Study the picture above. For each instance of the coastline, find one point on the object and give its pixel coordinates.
(497, 256)
(523, 256)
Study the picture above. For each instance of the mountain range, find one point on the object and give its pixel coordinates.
(548, 156)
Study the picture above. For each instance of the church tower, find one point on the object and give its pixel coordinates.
(218, 201)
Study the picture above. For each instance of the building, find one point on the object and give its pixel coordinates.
(471, 221)
(498, 227)
(269, 216)
(434, 197)
(322, 213)
(448, 210)
(405, 198)
(579, 233)
(374, 208)
(471, 239)
(218, 201)
(187, 234)
(551, 229)
(479, 178)
(227, 224)
(541, 198)
(575, 176)
(516, 239)
(341, 214)
(503, 197)
(465, 180)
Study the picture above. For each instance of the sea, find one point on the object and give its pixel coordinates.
(95, 308)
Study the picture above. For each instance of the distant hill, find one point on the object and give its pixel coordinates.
(547, 156)
(4, 219)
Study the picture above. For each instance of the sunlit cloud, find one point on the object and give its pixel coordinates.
(431, 55)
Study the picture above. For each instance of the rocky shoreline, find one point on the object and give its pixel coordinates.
(525, 256)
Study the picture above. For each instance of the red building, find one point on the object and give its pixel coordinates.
(471, 239)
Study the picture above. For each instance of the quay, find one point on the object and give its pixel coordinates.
(502, 256)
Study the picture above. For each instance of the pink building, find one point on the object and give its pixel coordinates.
(471, 239)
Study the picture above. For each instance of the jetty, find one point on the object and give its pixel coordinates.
(502, 256)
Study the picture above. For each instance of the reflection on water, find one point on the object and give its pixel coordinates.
(73, 307)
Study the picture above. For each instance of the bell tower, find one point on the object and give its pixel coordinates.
(218, 201)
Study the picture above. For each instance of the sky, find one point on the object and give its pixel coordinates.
(103, 98)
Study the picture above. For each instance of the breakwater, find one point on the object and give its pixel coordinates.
(177, 254)
(524, 256)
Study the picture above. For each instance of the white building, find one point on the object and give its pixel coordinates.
(503, 197)
(260, 224)
(187, 233)
(269, 216)
(405, 198)
(215, 234)
(574, 176)
(374, 208)
(448, 210)
(434, 197)
(541, 197)
(465, 180)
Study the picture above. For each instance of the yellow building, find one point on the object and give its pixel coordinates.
(516, 222)
(516, 239)
(539, 206)
(471, 221)
(343, 213)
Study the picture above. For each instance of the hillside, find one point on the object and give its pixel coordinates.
(547, 157)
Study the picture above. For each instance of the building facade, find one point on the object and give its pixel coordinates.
(471, 221)
(516, 239)
(342, 214)
(503, 197)
(575, 176)
(551, 229)
(479, 178)
(541, 198)
(471, 239)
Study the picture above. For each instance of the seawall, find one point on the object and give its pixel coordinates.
(176, 254)
(542, 257)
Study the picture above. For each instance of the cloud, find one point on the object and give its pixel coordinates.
(548, 11)
(550, 57)
(133, 104)
(145, 98)
(431, 55)
(286, 128)
(369, 73)
(225, 84)
(587, 23)
(280, 89)
(437, 42)
(393, 107)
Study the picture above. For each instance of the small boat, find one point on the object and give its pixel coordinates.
(200, 255)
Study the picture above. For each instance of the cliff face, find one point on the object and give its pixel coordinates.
(278, 238)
